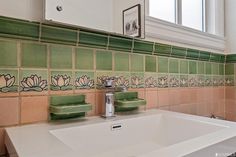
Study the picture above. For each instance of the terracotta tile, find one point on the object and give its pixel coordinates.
(2, 148)
(34, 109)
(151, 97)
(9, 111)
(230, 92)
(174, 97)
(185, 96)
(201, 109)
(167, 108)
(230, 106)
(100, 102)
(163, 97)
(230, 116)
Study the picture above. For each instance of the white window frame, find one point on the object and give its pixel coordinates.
(213, 24)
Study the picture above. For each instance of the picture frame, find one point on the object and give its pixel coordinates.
(132, 21)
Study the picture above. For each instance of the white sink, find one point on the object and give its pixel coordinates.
(133, 137)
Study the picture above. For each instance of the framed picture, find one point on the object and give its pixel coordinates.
(132, 21)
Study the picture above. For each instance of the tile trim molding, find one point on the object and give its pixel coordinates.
(77, 36)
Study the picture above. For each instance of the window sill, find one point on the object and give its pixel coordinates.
(161, 30)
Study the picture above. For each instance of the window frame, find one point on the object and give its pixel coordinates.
(172, 33)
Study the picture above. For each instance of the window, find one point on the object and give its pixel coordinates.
(189, 13)
(162, 9)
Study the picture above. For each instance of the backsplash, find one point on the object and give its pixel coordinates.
(39, 60)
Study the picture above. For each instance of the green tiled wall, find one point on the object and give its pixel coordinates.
(68, 58)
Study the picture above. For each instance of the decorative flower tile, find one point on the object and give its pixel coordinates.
(61, 80)
(33, 81)
(101, 77)
(208, 80)
(221, 80)
(162, 81)
(151, 80)
(84, 80)
(192, 81)
(229, 80)
(122, 80)
(174, 80)
(201, 80)
(8, 81)
(215, 80)
(183, 81)
(137, 80)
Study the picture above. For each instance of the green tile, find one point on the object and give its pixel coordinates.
(162, 49)
(33, 80)
(58, 35)
(173, 66)
(18, 28)
(163, 65)
(8, 53)
(33, 55)
(208, 68)
(141, 46)
(120, 43)
(9, 81)
(178, 52)
(121, 62)
(204, 56)
(150, 64)
(84, 59)
(137, 63)
(93, 39)
(215, 69)
(222, 58)
(183, 66)
(61, 80)
(231, 58)
(201, 67)
(221, 69)
(192, 54)
(60, 57)
(215, 57)
(103, 60)
(84, 80)
(229, 69)
(192, 67)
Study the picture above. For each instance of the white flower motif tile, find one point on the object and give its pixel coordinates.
(137, 80)
(61, 80)
(162, 80)
(229, 80)
(84, 80)
(8, 81)
(208, 80)
(183, 81)
(122, 79)
(192, 81)
(221, 80)
(101, 77)
(151, 80)
(33, 80)
(174, 80)
(215, 80)
(201, 80)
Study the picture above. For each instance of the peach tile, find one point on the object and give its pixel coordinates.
(151, 97)
(100, 102)
(9, 111)
(34, 109)
(2, 148)
(230, 92)
(174, 97)
(201, 109)
(230, 116)
(141, 92)
(230, 106)
(61, 92)
(33, 93)
(163, 97)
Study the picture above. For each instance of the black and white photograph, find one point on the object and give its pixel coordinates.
(131, 21)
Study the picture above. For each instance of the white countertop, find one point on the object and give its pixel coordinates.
(36, 140)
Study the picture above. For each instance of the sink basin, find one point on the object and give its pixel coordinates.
(132, 137)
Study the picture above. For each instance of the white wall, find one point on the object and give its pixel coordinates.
(23, 9)
(230, 25)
